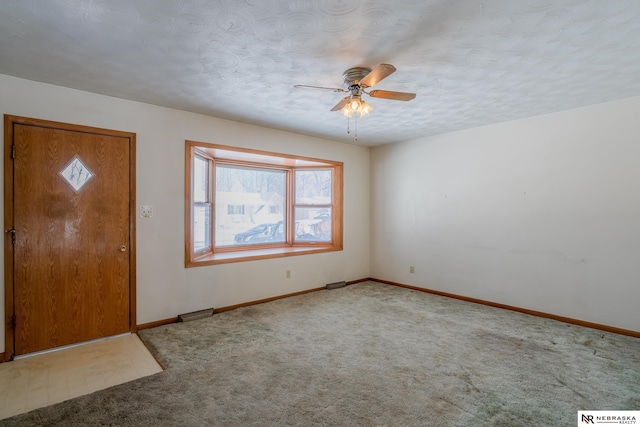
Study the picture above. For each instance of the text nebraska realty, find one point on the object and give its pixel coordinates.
(615, 419)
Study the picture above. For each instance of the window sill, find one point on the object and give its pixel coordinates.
(257, 254)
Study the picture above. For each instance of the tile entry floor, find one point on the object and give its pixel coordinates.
(48, 378)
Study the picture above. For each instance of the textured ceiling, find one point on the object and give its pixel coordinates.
(471, 62)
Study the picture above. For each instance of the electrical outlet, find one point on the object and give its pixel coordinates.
(288, 274)
(146, 211)
(412, 269)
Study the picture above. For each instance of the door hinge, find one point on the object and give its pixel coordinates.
(13, 151)
(13, 322)
(13, 234)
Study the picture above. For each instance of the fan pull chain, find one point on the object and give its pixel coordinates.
(355, 125)
(355, 120)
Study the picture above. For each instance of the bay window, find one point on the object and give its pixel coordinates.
(247, 204)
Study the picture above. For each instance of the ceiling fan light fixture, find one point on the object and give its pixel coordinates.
(356, 106)
(365, 109)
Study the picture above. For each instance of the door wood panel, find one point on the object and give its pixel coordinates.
(73, 248)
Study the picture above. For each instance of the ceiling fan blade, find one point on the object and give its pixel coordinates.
(333, 89)
(377, 74)
(341, 104)
(387, 94)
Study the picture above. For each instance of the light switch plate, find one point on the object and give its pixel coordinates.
(146, 211)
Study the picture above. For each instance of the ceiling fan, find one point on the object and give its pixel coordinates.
(356, 81)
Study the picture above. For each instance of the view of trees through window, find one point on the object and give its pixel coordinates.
(256, 197)
(251, 205)
(201, 204)
(313, 205)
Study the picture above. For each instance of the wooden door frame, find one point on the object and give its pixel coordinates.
(9, 122)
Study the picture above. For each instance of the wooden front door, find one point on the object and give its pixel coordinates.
(70, 234)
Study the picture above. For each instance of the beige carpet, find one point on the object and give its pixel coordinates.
(367, 355)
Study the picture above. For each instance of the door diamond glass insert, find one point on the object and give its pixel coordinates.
(76, 173)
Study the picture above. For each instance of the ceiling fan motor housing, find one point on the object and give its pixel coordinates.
(353, 76)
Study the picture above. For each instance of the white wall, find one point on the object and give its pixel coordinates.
(164, 287)
(541, 213)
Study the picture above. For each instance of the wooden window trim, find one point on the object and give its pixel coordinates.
(258, 158)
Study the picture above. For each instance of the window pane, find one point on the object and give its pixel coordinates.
(313, 187)
(250, 206)
(201, 226)
(235, 209)
(313, 224)
(200, 179)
